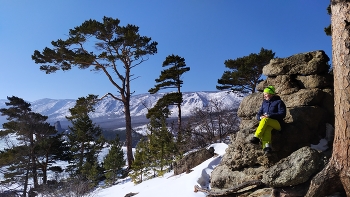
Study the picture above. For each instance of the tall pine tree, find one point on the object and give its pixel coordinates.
(117, 50)
(171, 78)
(245, 72)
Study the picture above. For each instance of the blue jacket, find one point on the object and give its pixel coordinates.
(274, 108)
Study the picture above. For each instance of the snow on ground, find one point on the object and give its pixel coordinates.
(169, 185)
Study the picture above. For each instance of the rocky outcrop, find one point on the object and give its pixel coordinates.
(58, 127)
(315, 62)
(294, 169)
(304, 84)
(192, 160)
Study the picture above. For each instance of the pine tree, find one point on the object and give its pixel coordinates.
(91, 171)
(85, 138)
(18, 113)
(162, 147)
(114, 161)
(171, 78)
(140, 167)
(14, 163)
(33, 132)
(49, 148)
(118, 49)
(245, 72)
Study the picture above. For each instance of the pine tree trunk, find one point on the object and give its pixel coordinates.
(126, 94)
(129, 154)
(26, 180)
(338, 169)
(179, 123)
(341, 62)
(179, 120)
(81, 156)
(44, 168)
(44, 174)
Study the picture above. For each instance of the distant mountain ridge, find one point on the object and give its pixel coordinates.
(109, 110)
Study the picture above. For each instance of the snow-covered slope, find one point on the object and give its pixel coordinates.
(169, 185)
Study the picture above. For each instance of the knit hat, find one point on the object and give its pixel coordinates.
(270, 90)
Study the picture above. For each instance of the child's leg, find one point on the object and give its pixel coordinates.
(264, 130)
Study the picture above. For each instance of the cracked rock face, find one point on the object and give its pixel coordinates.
(304, 84)
(294, 169)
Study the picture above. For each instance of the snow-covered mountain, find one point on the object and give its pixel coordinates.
(110, 111)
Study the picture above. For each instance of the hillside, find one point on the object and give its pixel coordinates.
(109, 112)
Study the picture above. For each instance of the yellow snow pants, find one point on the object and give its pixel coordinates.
(263, 132)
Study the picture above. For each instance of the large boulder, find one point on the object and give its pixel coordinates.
(294, 169)
(223, 177)
(315, 62)
(192, 160)
(249, 106)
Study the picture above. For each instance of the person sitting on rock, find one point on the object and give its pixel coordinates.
(271, 115)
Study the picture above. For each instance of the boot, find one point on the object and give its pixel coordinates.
(267, 150)
(254, 140)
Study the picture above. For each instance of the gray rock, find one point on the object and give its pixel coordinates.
(264, 192)
(315, 81)
(295, 169)
(248, 124)
(192, 160)
(224, 178)
(242, 153)
(250, 105)
(58, 127)
(130, 194)
(306, 116)
(304, 97)
(284, 84)
(315, 62)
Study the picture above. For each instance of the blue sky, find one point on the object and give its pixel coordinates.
(204, 32)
